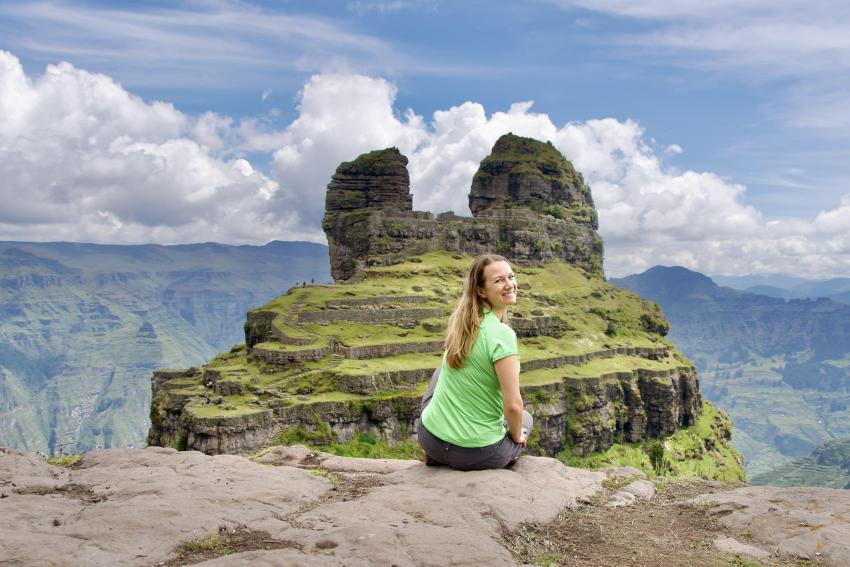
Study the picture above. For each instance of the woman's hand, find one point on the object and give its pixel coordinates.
(523, 439)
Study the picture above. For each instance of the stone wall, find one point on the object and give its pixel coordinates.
(368, 315)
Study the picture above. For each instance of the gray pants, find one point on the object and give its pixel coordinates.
(496, 456)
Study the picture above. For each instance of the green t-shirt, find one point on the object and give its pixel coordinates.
(467, 409)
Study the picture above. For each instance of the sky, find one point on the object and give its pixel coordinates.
(714, 134)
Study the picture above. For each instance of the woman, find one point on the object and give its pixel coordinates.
(473, 416)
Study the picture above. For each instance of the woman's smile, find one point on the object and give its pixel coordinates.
(500, 286)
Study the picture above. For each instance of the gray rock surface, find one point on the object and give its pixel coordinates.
(643, 489)
(136, 507)
(732, 545)
(623, 472)
(639, 489)
(809, 523)
(620, 499)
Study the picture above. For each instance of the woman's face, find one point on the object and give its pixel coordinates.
(499, 285)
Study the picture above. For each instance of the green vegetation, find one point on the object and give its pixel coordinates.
(213, 543)
(375, 162)
(580, 309)
(535, 157)
(599, 367)
(325, 473)
(64, 460)
(367, 445)
(364, 444)
(828, 465)
(701, 450)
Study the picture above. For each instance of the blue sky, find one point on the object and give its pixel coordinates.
(714, 133)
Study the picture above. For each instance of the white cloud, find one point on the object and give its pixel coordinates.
(339, 117)
(649, 213)
(82, 159)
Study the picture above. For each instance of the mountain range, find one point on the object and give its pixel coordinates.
(82, 326)
(788, 287)
(780, 367)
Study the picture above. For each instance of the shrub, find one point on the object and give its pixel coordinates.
(655, 450)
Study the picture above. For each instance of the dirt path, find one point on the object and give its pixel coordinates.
(664, 531)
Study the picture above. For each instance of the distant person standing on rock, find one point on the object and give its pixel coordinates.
(473, 416)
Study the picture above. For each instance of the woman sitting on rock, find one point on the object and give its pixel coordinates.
(473, 416)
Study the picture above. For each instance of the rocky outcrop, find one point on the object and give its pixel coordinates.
(148, 506)
(376, 180)
(805, 523)
(296, 506)
(525, 172)
(528, 202)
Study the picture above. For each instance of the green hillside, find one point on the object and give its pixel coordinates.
(83, 326)
(335, 364)
(828, 465)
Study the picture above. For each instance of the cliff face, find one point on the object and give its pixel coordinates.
(528, 202)
(336, 364)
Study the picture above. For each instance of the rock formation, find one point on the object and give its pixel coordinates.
(339, 363)
(528, 202)
(527, 173)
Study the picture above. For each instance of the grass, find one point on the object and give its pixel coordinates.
(325, 473)
(595, 369)
(64, 460)
(685, 452)
(209, 543)
(240, 406)
(411, 361)
(320, 342)
(363, 444)
(362, 334)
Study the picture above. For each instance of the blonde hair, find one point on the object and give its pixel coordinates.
(465, 320)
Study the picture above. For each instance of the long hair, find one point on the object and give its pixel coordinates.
(465, 320)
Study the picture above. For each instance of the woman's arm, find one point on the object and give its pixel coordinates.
(507, 369)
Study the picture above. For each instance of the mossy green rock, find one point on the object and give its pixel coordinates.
(527, 172)
(528, 202)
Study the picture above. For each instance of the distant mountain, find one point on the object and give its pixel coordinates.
(828, 465)
(780, 367)
(743, 282)
(788, 287)
(82, 326)
(770, 291)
